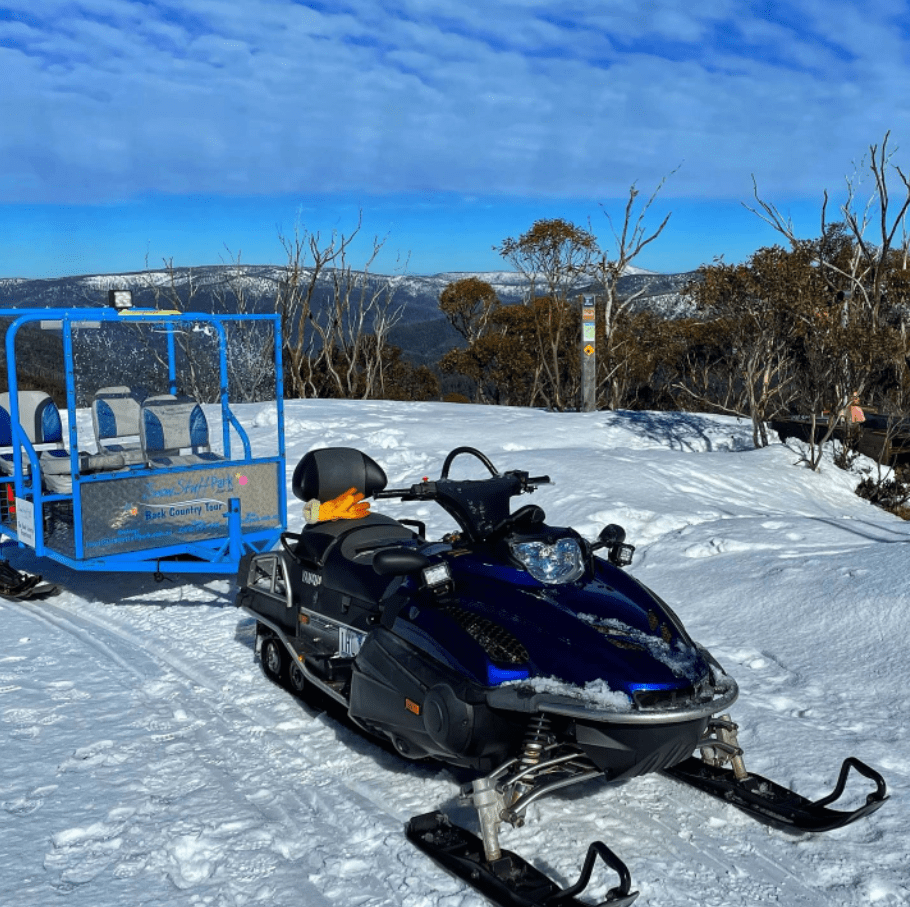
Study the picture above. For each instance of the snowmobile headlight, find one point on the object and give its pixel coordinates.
(560, 562)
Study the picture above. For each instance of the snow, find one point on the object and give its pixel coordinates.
(145, 759)
(594, 694)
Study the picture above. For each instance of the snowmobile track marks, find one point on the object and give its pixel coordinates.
(190, 714)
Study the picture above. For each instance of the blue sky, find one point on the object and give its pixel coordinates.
(138, 130)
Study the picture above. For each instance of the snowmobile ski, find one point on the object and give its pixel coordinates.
(19, 586)
(776, 805)
(511, 881)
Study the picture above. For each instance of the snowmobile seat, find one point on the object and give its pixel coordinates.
(116, 413)
(173, 431)
(344, 549)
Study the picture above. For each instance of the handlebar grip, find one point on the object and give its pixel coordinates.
(539, 480)
(391, 493)
(418, 491)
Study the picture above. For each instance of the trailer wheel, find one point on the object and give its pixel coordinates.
(296, 678)
(274, 658)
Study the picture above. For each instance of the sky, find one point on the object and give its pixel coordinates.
(202, 131)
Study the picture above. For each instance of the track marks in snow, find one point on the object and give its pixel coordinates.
(185, 806)
(724, 545)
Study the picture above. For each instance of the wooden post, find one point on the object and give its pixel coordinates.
(588, 357)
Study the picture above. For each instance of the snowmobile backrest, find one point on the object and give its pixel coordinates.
(116, 413)
(330, 471)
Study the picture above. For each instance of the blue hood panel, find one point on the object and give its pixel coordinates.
(607, 627)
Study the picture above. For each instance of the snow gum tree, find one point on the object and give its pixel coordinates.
(760, 308)
(554, 256)
(860, 344)
(559, 260)
(468, 305)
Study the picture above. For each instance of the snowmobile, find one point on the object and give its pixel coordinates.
(512, 648)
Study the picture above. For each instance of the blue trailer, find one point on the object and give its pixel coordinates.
(136, 472)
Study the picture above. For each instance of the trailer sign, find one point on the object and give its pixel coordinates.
(146, 511)
(25, 521)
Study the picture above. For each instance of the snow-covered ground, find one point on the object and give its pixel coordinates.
(145, 760)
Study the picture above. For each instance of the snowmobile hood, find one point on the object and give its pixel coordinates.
(604, 640)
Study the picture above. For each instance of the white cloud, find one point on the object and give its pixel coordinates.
(111, 98)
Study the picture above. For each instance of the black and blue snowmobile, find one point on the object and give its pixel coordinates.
(512, 648)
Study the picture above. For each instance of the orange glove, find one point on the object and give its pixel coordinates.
(347, 506)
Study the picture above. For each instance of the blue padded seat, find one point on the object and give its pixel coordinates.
(38, 416)
(41, 423)
(116, 412)
(174, 432)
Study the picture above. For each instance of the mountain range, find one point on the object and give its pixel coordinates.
(422, 333)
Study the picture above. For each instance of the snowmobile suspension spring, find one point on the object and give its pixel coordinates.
(535, 740)
(724, 746)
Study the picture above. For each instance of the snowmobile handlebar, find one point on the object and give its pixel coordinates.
(480, 506)
(428, 490)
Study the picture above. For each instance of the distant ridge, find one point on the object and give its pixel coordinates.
(423, 333)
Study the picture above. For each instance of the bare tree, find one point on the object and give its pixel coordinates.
(335, 319)
(862, 259)
(251, 344)
(176, 289)
(858, 269)
(629, 240)
(306, 259)
(354, 328)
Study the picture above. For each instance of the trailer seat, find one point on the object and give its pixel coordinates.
(116, 414)
(41, 423)
(39, 419)
(173, 431)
